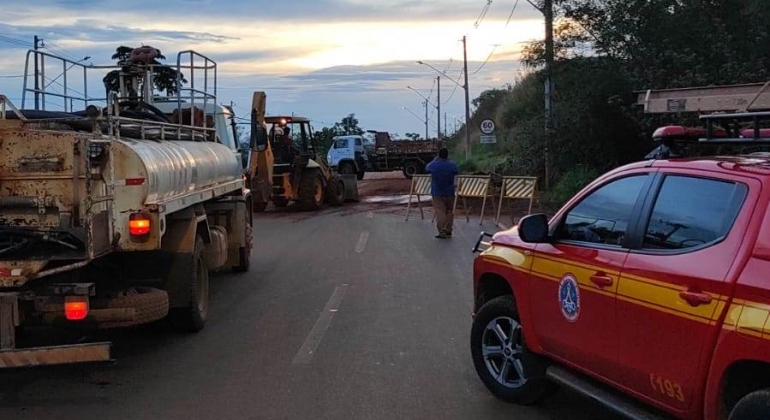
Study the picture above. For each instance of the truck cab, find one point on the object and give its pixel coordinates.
(348, 155)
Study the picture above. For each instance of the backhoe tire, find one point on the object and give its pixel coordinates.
(244, 252)
(259, 207)
(335, 191)
(311, 190)
(148, 303)
(360, 175)
(347, 168)
(192, 317)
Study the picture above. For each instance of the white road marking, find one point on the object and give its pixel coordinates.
(362, 241)
(313, 339)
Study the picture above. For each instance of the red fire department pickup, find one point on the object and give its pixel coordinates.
(649, 292)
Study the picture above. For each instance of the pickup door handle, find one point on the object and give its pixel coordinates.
(602, 280)
(696, 298)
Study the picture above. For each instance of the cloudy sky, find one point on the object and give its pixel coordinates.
(318, 58)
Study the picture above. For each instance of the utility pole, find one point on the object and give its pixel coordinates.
(467, 103)
(549, 85)
(426, 119)
(445, 124)
(37, 74)
(438, 107)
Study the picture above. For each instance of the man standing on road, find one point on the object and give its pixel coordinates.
(442, 188)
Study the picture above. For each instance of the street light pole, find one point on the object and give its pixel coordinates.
(426, 119)
(467, 103)
(438, 107)
(467, 97)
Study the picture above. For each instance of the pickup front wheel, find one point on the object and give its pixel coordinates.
(501, 357)
(755, 406)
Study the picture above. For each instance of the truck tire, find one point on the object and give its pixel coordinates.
(335, 191)
(311, 190)
(411, 169)
(501, 358)
(244, 252)
(347, 168)
(150, 305)
(360, 175)
(755, 406)
(193, 317)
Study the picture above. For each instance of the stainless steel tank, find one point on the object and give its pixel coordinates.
(176, 168)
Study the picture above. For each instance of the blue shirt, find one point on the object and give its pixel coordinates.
(443, 173)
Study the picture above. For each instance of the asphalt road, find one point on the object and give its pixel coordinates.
(345, 315)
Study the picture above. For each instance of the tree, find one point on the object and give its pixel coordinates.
(348, 125)
(166, 79)
(412, 136)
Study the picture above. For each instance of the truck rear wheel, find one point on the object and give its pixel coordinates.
(244, 252)
(501, 358)
(311, 190)
(411, 169)
(347, 168)
(335, 191)
(192, 317)
(755, 406)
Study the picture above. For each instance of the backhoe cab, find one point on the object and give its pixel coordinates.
(284, 165)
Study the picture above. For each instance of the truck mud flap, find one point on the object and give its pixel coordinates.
(56, 355)
(351, 187)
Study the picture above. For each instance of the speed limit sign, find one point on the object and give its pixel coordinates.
(487, 127)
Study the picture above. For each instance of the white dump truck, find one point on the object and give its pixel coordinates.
(114, 215)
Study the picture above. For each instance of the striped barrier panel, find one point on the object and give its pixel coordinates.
(420, 187)
(474, 186)
(517, 187)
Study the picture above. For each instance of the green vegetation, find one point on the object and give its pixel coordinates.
(606, 50)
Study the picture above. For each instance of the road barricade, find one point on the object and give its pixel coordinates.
(517, 188)
(474, 186)
(420, 187)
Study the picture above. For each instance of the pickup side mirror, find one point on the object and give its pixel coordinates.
(258, 136)
(533, 229)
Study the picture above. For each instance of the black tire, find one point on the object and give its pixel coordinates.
(347, 168)
(311, 190)
(244, 252)
(411, 169)
(525, 389)
(360, 175)
(335, 191)
(755, 406)
(150, 305)
(280, 202)
(192, 318)
(259, 207)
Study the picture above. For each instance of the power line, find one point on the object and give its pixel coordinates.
(455, 88)
(494, 48)
(15, 41)
(483, 14)
(11, 76)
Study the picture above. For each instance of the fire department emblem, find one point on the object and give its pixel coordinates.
(569, 297)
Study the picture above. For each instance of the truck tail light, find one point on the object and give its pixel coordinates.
(139, 224)
(75, 308)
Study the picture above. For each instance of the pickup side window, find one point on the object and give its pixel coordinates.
(604, 215)
(693, 212)
(341, 144)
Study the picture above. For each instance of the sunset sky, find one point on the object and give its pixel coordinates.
(318, 58)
